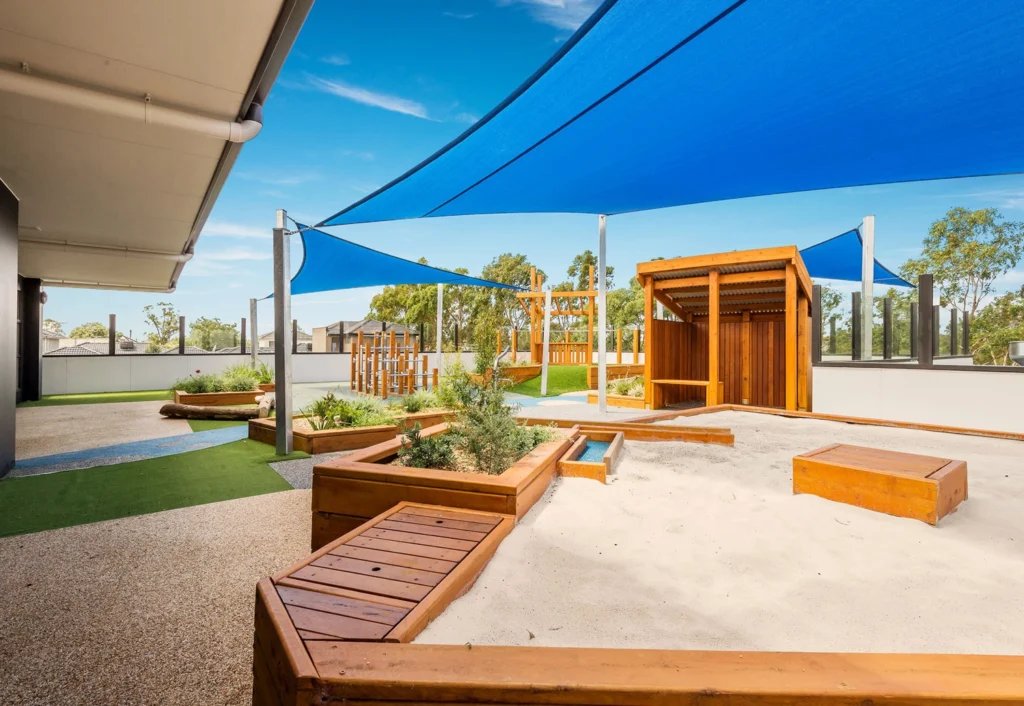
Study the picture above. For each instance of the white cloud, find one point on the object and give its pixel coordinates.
(359, 154)
(563, 14)
(468, 118)
(274, 179)
(336, 60)
(460, 15)
(395, 104)
(220, 229)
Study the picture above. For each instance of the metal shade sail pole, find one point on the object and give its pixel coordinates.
(254, 333)
(282, 337)
(602, 319)
(440, 320)
(867, 287)
(547, 341)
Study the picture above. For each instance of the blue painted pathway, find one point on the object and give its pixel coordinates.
(131, 451)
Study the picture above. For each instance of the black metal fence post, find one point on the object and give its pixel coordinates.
(295, 336)
(112, 335)
(242, 341)
(936, 331)
(913, 329)
(832, 336)
(181, 335)
(815, 324)
(341, 336)
(954, 337)
(967, 333)
(855, 324)
(887, 328)
(925, 320)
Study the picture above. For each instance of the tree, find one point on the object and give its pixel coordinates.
(995, 326)
(164, 323)
(54, 326)
(93, 329)
(499, 309)
(966, 252)
(832, 307)
(626, 310)
(212, 334)
(579, 271)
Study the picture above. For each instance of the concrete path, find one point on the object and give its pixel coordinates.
(154, 609)
(43, 431)
(131, 451)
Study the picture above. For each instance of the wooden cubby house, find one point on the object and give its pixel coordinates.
(740, 332)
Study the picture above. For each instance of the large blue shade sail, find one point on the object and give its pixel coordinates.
(656, 103)
(331, 263)
(840, 258)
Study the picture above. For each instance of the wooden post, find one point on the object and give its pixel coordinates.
(771, 363)
(352, 374)
(590, 318)
(361, 348)
(745, 358)
(375, 368)
(411, 386)
(426, 371)
(384, 383)
(791, 336)
(803, 357)
(713, 337)
(435, 380)
(618, 347)
(648, 329)
(515, 344)
(636, 346)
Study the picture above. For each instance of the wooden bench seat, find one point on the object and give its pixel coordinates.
(906, 485)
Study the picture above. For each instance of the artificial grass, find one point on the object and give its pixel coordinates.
(68, 498)
(561, 379)
(100, 398)
(208, 424)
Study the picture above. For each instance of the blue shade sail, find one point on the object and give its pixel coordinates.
(840, 258)
(656, 103)
(330, 263)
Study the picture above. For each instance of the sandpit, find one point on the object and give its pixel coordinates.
(697, 546)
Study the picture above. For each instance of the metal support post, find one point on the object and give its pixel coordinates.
(887, 328)
(867, 292)
(181, 335)
(602, 317)
(954, 337)
(547, 342)
(254, 334)
(282, 336)
(855, 325)
(112, 335)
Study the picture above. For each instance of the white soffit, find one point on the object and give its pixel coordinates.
(88, 178)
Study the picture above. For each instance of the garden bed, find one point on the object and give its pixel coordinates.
(614, 371)
(217, 399)
(350, 490)
(620, 400)
(314, 441)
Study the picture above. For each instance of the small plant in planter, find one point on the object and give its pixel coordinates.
(436, 451)
(628, 387)
(417, 402)
(199, 383)
(331, 412)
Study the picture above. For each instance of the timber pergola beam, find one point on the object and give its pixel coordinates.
(723, 280)
(670, 304)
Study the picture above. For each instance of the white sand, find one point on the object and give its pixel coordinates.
(706, 547)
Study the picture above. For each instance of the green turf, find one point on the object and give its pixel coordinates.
(561, 379)
(68, 498)
(208, 424)
(100, 398)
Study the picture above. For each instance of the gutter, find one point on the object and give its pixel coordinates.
(75, 284)
(106, 250)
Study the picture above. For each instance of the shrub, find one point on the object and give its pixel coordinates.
(330, 412)
(437, 451)
(630, 387)
(199, 383)
(264, 375)
(456, 389)
(418, 401)
(239, 378)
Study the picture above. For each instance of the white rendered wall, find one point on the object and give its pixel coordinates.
(978, 400)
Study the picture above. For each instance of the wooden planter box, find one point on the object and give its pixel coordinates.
(216, 399)
(614, 372)
(620, 401)
(267, 387)
(514, 374)
(328, 440)
(349, 490)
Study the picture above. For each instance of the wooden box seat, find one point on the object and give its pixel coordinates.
(906, 485)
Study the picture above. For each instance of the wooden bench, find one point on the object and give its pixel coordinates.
(906, 485)
(695, 383)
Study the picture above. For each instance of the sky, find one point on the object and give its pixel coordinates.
(372, 87)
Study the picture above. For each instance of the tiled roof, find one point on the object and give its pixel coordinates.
(367, 326)
(189, 350)
(72, 350)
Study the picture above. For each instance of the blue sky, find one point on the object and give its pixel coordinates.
(374, 86)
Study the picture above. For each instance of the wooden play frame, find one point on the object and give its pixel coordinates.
(289, 671)
(328, 440)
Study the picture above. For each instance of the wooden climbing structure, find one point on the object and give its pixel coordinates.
(564, 303)
(741, 333)
(385, 363)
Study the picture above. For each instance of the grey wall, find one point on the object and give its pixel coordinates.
(8, 324)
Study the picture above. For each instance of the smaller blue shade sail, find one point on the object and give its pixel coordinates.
(840, 258)
(331, 263)
(657, 103)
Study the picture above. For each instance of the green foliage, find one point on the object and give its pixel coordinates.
(418, 401)
(331, 412)
(199, 383)
(212, 334)
(630, 386)
(967, 251)
(579, 271)
(456, 389)
(164, 323)
(995, 327)
(489, 431)
(239, 378)
(626, 311)
(437, 451)
(264, 374)
(54, 326)
(93, 329)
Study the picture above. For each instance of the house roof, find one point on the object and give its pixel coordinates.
(125, 346)
(189, 350)
(367, 326)
(82, 349)
(52, 333)
(302, 336)
(113, 201)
